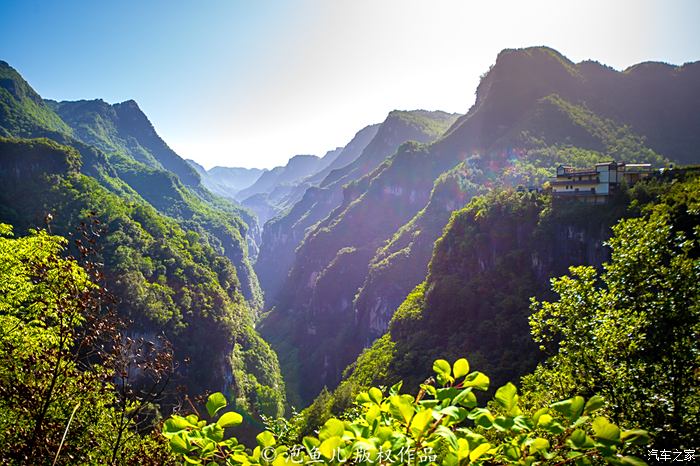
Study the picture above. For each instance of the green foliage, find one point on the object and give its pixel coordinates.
(493, 257)
(27, 154)
(431, 124)
(631, 332)
(441, 425)
(52, 406)
(168, 279)
(23, 113)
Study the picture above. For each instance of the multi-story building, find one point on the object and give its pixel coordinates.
(595, 184)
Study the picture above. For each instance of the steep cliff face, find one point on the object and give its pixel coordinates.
(494, 255)
(349, 236)
(401, 264)
(283, 235)
(477, 291)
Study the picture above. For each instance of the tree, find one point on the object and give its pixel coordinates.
(632, 332)
(60, 350)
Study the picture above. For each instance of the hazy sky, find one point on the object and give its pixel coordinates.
(251, 83)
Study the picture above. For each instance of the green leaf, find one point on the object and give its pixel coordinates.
(605, 430)
(375, 395)
(215, 402)
(538, 413)
(479, 451)
(372, 413)
(310, 443)
(522, 423)
(465, 398)
(230, 419)
(632, 461)
(362, 397)
(460, 368)
(477, 380)
(512, 452)
(443, 370)
(594, 404)
(401, 407)
(332, 428)
(175, 424)
(482, 417)
(442, 367)
(396, 388)
(539, 444)
(571, 408)
(420, 422)
(548, 423)
(328, 447)
(579, 440)
(213, 432)
(507, 396)
(451, 411)
(179, 444)
(503, 423)
(635, 437)
(445, 393)
(448, 435)
(265, 439)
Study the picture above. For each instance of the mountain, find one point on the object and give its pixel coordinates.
(417, 125)
(400, 264)
(494, 255)
(123, 127)
(228, 181)
(348, 154)
(266, 195)
(145, 162)
(175, 255)
(297, 168)
(22, 111)
(534, 110)
(371, 145)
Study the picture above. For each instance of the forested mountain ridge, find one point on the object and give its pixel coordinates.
(369, 147)
(146, 163)
(495, 257)
(175, 255)
(123, 127)
(534, 110)
(22, 110)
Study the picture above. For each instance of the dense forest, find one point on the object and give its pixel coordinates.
(420, 295)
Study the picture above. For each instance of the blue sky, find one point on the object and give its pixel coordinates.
(251, 83)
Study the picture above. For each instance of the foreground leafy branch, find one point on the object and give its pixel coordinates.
(442, 425)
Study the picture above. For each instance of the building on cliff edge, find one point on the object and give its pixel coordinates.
(595, 184)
